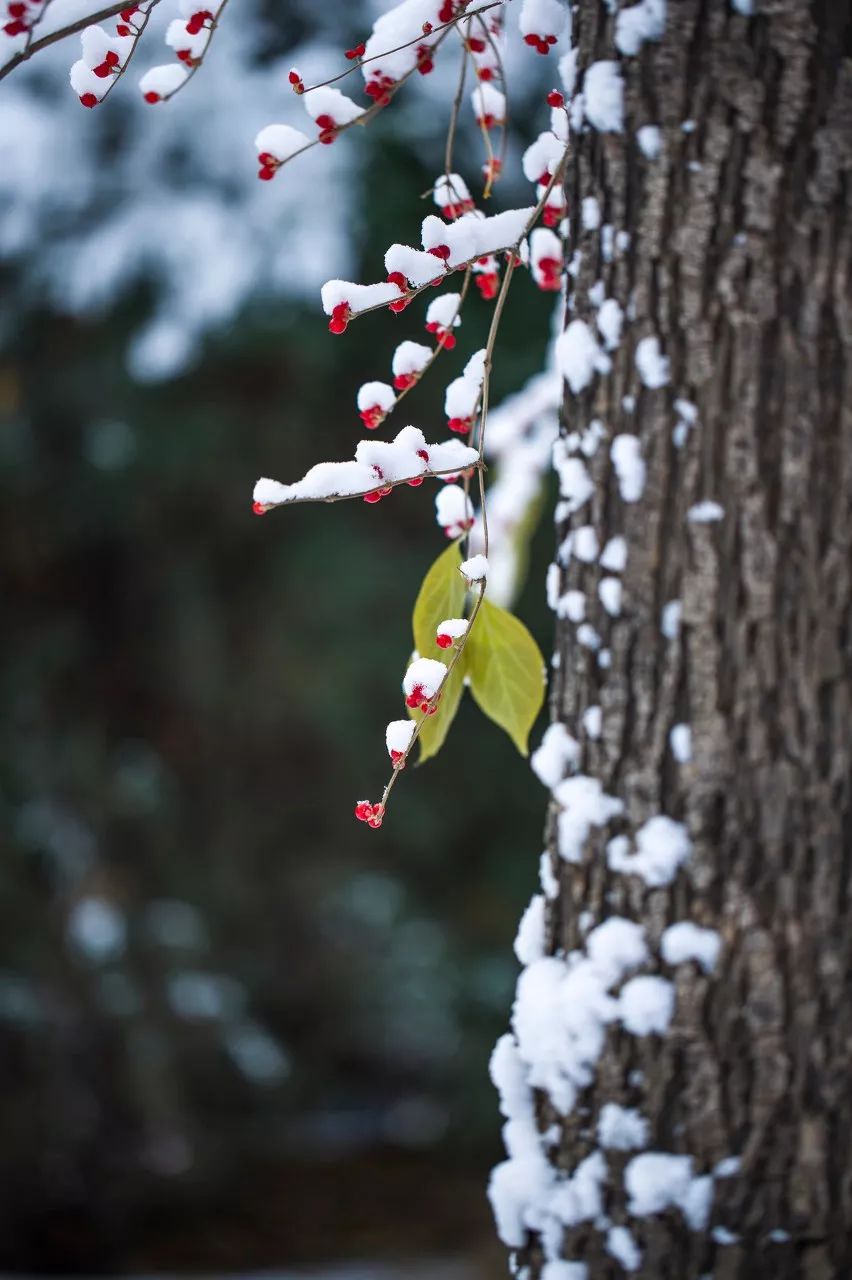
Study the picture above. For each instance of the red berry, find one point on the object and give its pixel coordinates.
(112, 58)
(122, 30)
(374, 496)
(363, 810)
(441, 251)
(403, 381)
(375, 818)
(476, 45)
(443, 641)
(552, 215)
(152, 97)
(484, 73)
(446, 339)
(487, 282)
(427, 28)
(127, 14)
(102, 70)
(372, 417)
(396, 756)
(258, 508)
(16, 28)
(339, 318)
(89, 100)
(555, 99)
(325, 122)
(421, 453)
(460, 425)
(17, 9)
(415, 698)
(415, 482)
(357, 52)
(266, 173)
(294, 77)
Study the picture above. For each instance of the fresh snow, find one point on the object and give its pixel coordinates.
(621, 1128)
(579, 357)
(650, 141)
(661, 846)
(705, 513)
(646, 1004)
(651, 364)
(687, 941)
(603, 97)
(626, 454)
(640, 22)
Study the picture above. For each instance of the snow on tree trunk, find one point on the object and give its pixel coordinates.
(720, 658)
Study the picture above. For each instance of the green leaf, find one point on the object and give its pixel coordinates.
(506, 670)
(441, 596)
(436, 727)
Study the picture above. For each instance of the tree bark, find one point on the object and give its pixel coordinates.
(739, 263)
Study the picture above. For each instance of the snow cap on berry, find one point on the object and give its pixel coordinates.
(358, 297)
(410, 359)
(325, 101)
(451, 195)
(449, 630)
(419, 268)
(474, 569)
(161, 82)
(489, 106)
(543, 22)
(398, 736)
(426, 675)
(280, 141)
(443, 311)
(453, 510)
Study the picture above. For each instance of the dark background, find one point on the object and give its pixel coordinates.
(237, 1028)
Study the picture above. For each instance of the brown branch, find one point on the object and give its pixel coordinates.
(382, 484)
(369, 113)
(443, 28)
(72, 29)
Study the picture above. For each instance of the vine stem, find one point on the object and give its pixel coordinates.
(480, 465)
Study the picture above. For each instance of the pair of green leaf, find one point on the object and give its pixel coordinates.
(501, 661)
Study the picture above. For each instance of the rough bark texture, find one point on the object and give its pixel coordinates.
(739, 261)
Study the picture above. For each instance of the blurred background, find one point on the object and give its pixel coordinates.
(238, 1029)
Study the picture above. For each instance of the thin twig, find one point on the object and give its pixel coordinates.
(438, 348)
(382, 484)
(197, 62)
(443, 28)
(62, 33)
(136, 38)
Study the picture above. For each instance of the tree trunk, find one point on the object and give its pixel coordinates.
(738, 261)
